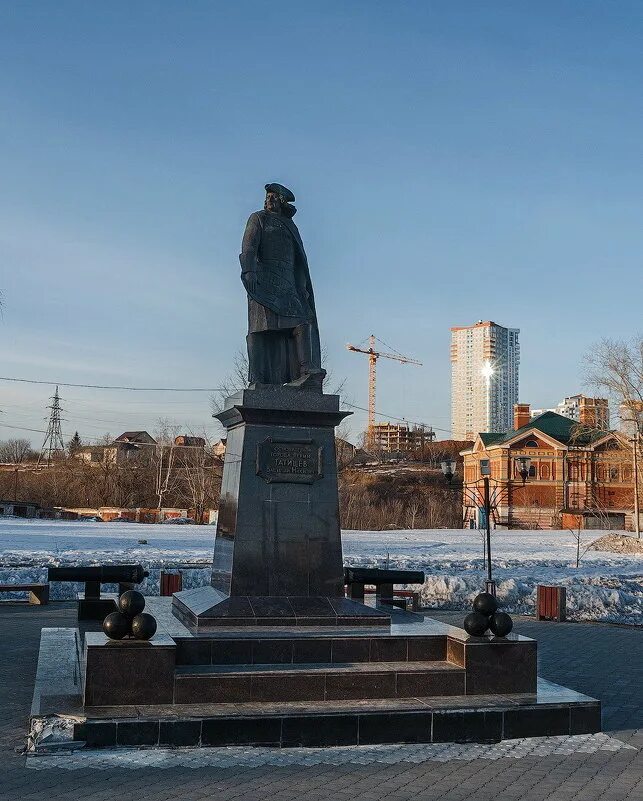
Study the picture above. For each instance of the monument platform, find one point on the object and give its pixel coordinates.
(417, 681)
(205, 609)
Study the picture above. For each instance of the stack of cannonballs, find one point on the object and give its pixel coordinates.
(130, 621)
(485, 616)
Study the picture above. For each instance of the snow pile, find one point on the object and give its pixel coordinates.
(618, 543)
(608, 586)
(50, 730)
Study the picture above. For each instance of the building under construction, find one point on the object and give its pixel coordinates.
(397, 432)
(400, 437)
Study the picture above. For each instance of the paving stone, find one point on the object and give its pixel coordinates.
(583, 768)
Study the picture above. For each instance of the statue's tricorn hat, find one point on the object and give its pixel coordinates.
(285, 194)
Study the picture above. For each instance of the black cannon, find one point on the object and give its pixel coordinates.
(90, 604)
(382, 578)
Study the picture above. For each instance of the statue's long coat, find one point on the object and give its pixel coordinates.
(267, 309)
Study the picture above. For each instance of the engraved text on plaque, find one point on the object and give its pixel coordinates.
(294, 461)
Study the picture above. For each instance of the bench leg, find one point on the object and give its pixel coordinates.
(356, 591)
(385, 593)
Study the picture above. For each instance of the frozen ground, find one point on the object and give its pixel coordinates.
(607, 586)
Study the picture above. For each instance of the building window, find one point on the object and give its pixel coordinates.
(544, 471)
(531, 443)
(613, 473)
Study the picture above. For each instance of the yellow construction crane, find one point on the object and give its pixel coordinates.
(373, 356)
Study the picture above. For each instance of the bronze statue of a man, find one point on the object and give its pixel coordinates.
(283, 337)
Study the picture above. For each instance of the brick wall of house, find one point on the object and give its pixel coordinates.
(561, 479)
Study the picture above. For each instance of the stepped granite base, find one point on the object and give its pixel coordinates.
(419, 681)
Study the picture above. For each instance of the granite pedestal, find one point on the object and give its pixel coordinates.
(278, 553)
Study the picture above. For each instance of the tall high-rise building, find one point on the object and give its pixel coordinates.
(485, 361)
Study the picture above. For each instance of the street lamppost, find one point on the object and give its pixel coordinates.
(490, 499)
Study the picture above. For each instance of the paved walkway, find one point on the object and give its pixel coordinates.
(603, 661)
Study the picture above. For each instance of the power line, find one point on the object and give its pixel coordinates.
(90, 441)
(107, 386)
(189, 389)
(401, 419)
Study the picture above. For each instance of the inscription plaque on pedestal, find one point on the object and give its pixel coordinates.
(293, 461)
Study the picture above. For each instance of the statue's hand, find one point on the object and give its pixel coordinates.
(250, 281)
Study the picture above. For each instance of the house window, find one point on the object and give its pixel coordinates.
(613, 473)
(531, 443)
(532, 471)
(544, 471)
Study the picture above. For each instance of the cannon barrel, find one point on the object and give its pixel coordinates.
(105, 574)
(378, 575)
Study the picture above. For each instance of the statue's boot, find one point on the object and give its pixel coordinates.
(256, 359)
(309, 376)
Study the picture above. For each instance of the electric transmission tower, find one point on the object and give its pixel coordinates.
(53, 444)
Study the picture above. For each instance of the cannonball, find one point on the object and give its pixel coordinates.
(485, 604)
(143, 626)
(476, 624)
(501, 624)
(116, 626)
(131, 603)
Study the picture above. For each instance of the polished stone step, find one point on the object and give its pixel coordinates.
(316, 681)
(257, 649)
(553, 711)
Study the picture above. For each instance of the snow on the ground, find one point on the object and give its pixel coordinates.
(28, 547)
(606, 586)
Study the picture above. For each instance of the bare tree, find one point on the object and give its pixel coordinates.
(412, 511)
(581, 546)
(234, 382)
(615, 368)
(199, 474)
(16, 451)
(164, 452)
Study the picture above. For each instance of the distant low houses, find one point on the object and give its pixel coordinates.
(218, 449)
(189, 441)
(19, 509)
(130, 446)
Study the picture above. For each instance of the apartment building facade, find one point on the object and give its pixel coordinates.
(485, 378)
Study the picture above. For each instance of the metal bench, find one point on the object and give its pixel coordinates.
(38, 593)
(356, 578)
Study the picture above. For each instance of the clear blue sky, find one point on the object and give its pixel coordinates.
(452, 161)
